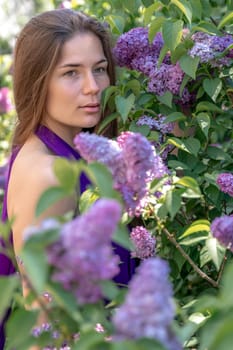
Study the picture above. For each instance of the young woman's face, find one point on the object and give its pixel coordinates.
(75, 87)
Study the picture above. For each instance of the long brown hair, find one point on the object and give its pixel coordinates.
(37, 52)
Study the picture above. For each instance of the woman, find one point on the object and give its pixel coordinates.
(62, 63)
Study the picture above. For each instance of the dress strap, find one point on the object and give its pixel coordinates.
(56, 144)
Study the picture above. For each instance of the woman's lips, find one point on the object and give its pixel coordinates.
(91, 108)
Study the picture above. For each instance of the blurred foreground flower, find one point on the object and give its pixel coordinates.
(148, 310)
(83, 256)
(131, 159)
(222, 229)
(5, 101)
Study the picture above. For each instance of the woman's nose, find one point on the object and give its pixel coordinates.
(90, 84)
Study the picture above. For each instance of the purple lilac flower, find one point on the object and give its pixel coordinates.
(5, 101)
(142, 166)
(225, 182)
(143, 242)
(166, 78)
(131, 44)
(156, 123)
(207, 47)
(93, 147)
(148, 310)
(83, 256)
(222, 229)
(131, 159)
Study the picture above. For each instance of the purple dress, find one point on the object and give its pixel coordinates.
(60, 148)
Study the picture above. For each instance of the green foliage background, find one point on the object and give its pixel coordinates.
(201, 270)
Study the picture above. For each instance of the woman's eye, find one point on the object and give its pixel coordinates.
(70, 73)
(101, 70)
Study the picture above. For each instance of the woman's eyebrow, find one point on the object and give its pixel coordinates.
(75, 65)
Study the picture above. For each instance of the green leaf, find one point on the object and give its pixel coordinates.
(147, 2)
(228, 18)
(19, 326)
(117, 23)
(176, 116)
(173, 202)
(212, 87)
(135, 86)
(66, 173)
(227, 285)
(203, 120)
(155, 26)
(87, 198)
(65, 300)
(217, 154)
(142, 129)
(217, 334)
(103, 179)
(124, 105)
(192, 145)
(107, 120)
(190, 183)
(109, 289)
(106, 94)
(208, 106)
(196, 226)
(50, 197)
(177, 143)
(172, 33)
(130, 5)
(166, 98)
(216, 252)
(185, 8)
(36, 267)
(7, 287)
(162, 55)
(189, 65)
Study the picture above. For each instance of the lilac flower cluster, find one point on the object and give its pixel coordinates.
(83, 255)
(148, 310)
(156, 123)
(225, 182)
(144, 243)
(5, 101)
(208, 47)
(131, 159)
(134, 51)
(222, 229)
(159, 125)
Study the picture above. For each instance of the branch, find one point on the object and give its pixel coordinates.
(187, 257)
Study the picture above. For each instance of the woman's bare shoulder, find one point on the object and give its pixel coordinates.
(32, 172)
(33, 163)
